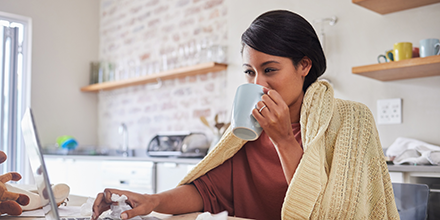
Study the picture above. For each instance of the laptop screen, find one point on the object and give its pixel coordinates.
(34, 152)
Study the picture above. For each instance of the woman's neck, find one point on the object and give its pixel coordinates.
(295, 109)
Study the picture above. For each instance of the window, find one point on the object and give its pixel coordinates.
(15, 33)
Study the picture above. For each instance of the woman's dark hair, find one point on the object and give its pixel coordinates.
(286, 34)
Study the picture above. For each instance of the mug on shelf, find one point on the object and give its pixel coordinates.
(402, 51)
(388, 57)
(416, 52)
(429, 47)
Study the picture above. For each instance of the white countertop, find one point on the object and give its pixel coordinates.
(413, 168)
(391, 167)
(119, 158)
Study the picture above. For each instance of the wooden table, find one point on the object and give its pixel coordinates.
(154, 216)
(77, 201)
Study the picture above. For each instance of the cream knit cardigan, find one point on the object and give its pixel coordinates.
(342, 174)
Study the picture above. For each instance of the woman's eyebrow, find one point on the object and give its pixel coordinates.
(269, 62)
(263, 64)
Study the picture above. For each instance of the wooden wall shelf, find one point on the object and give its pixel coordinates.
(390, 6)
(404, 69)
(170, 74)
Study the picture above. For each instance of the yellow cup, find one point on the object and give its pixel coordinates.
(402, 51)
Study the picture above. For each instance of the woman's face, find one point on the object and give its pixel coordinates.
(277, 73)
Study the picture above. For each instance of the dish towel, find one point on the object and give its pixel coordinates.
(411, 151)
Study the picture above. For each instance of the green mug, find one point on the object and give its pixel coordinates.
(388, 57)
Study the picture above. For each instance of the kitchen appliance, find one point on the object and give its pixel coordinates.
(178, 144)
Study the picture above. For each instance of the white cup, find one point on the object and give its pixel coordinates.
(243, 124)
(429, 47)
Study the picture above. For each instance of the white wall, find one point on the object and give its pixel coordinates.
(65, 41)
(358, 37)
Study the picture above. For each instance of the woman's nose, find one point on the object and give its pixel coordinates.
(259, 80)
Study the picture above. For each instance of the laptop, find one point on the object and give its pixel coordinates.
(39, 171)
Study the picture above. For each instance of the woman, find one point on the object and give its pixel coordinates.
(317, 158)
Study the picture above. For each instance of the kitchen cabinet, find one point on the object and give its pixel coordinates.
(89, 175)
(136, 176)
(420, 174)
(165, 75)
(170, 174)
(404, 69)
(80, 175)
(390, 6)
(409, 173)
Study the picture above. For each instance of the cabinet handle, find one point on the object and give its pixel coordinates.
(123, 182)
(154, 177)
(434, 190)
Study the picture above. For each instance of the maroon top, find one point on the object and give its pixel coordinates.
(251, 184)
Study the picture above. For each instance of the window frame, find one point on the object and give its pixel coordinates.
(20, 162)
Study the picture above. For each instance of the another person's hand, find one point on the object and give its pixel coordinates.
(142, 204)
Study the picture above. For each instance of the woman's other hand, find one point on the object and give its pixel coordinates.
(142, 204)
(182, 199)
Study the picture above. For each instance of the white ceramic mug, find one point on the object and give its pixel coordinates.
(243, 124)
(429, 47)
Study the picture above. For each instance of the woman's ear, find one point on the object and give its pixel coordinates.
(305, 66)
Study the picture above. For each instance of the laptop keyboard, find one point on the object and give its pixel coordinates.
(88, 218)
(75, 218)
(107, 218)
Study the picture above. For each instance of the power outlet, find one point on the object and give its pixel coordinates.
(389, 111)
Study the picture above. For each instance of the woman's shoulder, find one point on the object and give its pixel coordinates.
(348, 108)
(342, 103)
(352, 117)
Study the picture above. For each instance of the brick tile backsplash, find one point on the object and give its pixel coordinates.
(138, 36)
(147, 111)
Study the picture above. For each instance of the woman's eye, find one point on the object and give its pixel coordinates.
(267, 70)
(249, 72)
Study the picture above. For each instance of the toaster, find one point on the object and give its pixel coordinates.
(178, 144)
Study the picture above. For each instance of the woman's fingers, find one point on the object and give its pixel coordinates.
(265, 90)
(260, 106)
(272, 97)
(270, 102)
(134, 212)
(272, 113)
(99, 206)
(109, 192)
(142, 204)
(104, 200)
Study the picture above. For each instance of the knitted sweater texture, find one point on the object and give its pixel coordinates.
(342, 174)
